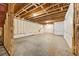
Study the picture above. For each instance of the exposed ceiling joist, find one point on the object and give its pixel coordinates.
(23, 9)
(42, 12)
(55, 11)
(30, 10)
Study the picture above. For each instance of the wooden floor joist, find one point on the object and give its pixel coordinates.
(36, 11)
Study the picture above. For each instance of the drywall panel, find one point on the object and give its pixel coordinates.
(24, 28)
(48, 28)
(59, 28)
(68, 26)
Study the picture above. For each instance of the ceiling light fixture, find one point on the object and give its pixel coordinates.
(34, 14)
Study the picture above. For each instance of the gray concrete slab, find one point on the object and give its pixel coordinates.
(42, 45)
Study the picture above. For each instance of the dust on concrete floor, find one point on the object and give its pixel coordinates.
(41, 45)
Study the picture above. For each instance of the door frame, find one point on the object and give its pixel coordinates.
(8, 30)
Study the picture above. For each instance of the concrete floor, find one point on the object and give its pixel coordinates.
(41, 45)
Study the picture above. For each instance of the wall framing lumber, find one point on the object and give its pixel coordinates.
(76, 29)
(8, 30)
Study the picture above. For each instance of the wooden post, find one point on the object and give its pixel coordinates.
(8, 30)
(73, 39)
(76, 28)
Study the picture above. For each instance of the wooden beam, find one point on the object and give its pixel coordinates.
(39, 7)
(57, 19)
(51, 16)
(28, 11)
(57, 10)
(23, 9)
(76, 30)
(50, 21)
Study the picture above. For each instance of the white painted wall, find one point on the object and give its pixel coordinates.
(59, 28)
(24, 28)
(48, 28)
(56, 28)
(68, 26)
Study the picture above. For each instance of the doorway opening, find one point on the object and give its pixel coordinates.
(40, 29)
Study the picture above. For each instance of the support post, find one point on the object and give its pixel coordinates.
(8, 30)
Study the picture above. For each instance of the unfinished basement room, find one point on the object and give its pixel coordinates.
(39, 29)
